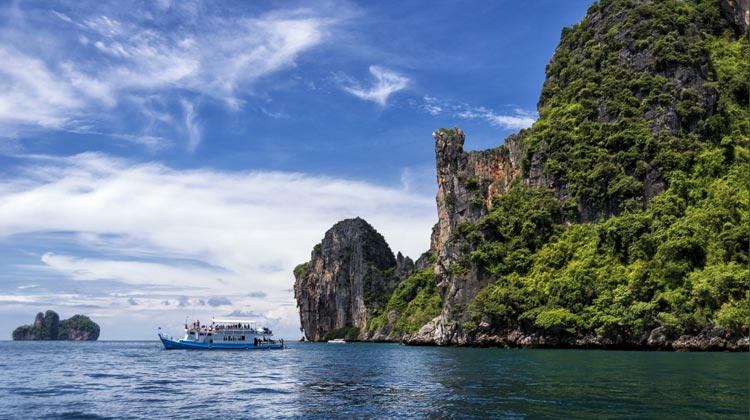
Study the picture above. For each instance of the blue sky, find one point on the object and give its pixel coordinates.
(168, 159)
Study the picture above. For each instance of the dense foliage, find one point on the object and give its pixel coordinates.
(415, 302)
(615, 90)
(674, 256)
(78, 324)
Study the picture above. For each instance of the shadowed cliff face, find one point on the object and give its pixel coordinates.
(350, 272)
(737, 12)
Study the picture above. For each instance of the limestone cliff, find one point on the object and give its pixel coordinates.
(48, 326)
(599, 226)
(349, 273)
(630, 93)
(466, 184)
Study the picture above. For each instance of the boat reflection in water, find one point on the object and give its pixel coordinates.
(223, 334)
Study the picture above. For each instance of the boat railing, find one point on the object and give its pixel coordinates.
(214, 329)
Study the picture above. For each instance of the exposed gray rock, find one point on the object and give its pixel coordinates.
(658, 338)
(737, 12)
(404, 267)
(349, 273)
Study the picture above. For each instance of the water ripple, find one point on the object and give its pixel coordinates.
(139, 380)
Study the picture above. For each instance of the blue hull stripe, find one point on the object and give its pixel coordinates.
(189, 345)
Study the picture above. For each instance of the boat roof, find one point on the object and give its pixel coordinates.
(233, 321)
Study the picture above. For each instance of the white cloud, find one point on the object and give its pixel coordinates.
(432, 106)
(386, 83)
(191, 125)
(110, 58)
(515, 120)
(31, 93)
(194, 233)
(132, 272)
(62, 16)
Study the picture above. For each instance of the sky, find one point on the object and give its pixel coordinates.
(170, 159)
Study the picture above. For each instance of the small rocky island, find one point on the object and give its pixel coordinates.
(48, 326)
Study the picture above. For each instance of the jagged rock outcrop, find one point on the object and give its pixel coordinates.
(466, 184)
(350, 271)
(47, 326)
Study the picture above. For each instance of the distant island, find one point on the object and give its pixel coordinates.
(48, 326)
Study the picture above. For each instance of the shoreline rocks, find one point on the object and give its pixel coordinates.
(658, 339)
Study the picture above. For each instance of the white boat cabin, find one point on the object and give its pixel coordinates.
(227, 331)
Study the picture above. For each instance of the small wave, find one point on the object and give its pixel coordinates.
(261, 391)
(107, 376)
(44, 392)
(78, 415)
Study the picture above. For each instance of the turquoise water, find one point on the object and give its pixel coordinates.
(130, 380)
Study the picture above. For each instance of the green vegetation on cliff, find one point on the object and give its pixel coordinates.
(415, 302)
(644, 127)
(77, 325)
(625, 99)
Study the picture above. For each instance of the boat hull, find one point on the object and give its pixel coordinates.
(192, 345)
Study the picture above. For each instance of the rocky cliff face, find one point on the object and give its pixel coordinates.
(47, 326)
(350, 272)
(632, 94)
(467, 181)
(737, 12)
(623, 75)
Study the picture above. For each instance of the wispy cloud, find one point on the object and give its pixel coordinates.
(150, 230)
(131, 272)
(516, 119)
(386, 83)
(113, 57)
(191, 125)
(33, 94)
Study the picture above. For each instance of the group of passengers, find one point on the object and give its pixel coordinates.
(214, 327)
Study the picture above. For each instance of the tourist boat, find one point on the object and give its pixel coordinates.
(223, 334)
(337, 341)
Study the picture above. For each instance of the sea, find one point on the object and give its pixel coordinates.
(141, 380)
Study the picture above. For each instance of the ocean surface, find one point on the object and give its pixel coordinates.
(140, 380)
